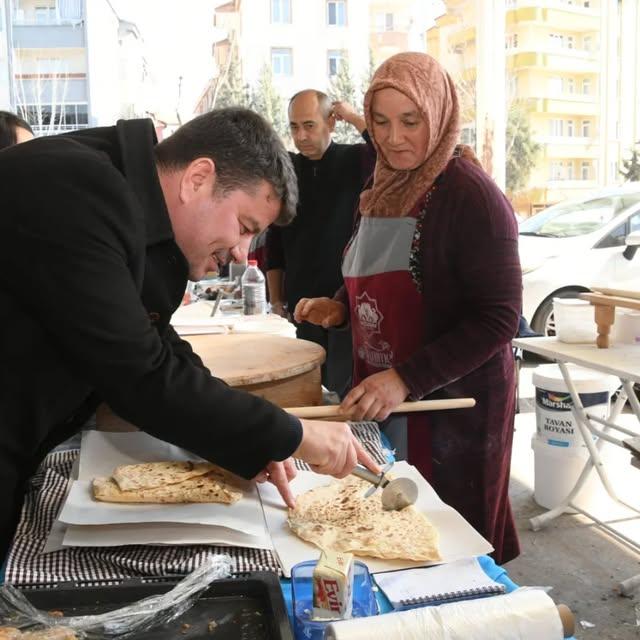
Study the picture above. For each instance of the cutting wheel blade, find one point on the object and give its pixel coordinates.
(399, 493)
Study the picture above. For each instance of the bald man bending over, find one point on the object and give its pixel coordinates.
(304, 259)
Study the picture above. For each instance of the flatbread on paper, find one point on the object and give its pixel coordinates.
(149, 475)
(211, 487)
(338, 517)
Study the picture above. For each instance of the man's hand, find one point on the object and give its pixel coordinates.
(375, 397)
(321, 311)
(344, 111)
(280, 474)
(332, 449)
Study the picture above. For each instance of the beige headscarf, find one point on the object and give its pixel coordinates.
(423, 80)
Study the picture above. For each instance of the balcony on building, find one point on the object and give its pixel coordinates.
(55, 25)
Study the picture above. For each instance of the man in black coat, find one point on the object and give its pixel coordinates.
(304, 259)
(99, 231)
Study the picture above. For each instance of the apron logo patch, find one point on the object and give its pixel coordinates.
(368, 313)
(374, 350)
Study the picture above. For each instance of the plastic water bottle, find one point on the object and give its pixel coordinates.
(254, 292)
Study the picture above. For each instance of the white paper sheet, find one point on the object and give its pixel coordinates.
(159, 533)
(458, 539)
(195, 319)
(101, 452)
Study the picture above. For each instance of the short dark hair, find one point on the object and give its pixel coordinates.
(325, 105)
(9, 122)
(245, 148)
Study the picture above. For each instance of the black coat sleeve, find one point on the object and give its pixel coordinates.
(75, 241)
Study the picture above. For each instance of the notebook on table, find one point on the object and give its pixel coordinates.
(451, 582)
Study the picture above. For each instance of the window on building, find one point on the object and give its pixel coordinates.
(586, 129)
(557, 170)
(335, 59)
(468, 135)
(570, 130)
(511, 41)
(281, 11)
(569, 41)
(570, 85)
(337, 13)
(587, 43)
(613, 171)
(556, 127)
(384, 22)
(569, 173)
(45, 14)
(282, 62)
(586, 86)
(55, 118)
(585, 171)
(556, 40)
(555, 85)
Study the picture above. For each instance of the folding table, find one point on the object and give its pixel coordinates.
(622, 361)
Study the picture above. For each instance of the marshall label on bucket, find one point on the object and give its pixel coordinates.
(555, 422)
(333, 586)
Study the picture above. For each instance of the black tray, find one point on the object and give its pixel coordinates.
(251, 606)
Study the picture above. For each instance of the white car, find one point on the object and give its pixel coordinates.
(573, 246)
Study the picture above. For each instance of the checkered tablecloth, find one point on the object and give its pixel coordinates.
(27, 564)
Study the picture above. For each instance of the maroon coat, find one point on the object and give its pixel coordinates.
(472, 288)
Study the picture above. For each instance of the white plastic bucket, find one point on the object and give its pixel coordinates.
(555, 424)
(626, 329)
(574, 320)
(556, 473)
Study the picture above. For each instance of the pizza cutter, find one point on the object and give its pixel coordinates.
(396, 494)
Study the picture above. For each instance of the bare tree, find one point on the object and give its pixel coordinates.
(41, 100)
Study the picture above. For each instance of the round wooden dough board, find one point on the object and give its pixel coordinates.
(285, 371)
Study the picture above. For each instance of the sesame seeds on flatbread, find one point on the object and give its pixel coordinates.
(337, 516)
(149, 475)
(169, 483)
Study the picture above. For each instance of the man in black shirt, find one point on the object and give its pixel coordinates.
(304, 258)
(99, 231)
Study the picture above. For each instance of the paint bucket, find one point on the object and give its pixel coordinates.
(556, 471)
(555, 424)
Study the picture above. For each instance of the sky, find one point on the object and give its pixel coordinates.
(178, 37)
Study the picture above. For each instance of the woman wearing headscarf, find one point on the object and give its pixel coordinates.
(433, 293)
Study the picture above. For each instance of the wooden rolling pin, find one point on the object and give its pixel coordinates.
(621, 293)
(568, 620)
(333, 410)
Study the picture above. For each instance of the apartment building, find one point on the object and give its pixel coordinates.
(304, 42)
(572, 65)
(70, 64)
(397, 25)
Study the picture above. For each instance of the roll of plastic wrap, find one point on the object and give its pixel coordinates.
(528, 614)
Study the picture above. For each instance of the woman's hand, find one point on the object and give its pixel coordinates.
(375, 397)
(321, 311)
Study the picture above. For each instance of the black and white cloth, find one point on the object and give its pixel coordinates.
(27, 565)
